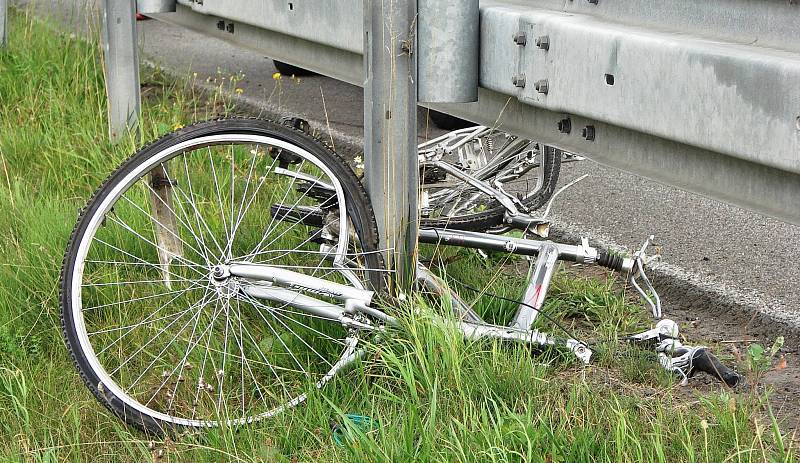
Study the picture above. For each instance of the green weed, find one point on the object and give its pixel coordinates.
(436, 396)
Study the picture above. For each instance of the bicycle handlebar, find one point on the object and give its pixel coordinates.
(688, 360)
(635, 266)
(704, 360)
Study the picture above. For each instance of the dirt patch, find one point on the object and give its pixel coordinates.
(729, 334)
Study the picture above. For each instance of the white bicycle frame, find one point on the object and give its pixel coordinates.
(303, 292)
(354, 310)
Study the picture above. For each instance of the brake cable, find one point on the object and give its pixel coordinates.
(542, 312)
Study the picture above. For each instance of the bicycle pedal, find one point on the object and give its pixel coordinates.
(311, 216)
(318, 237)
(323, 194)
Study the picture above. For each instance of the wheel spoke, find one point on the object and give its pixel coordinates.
(272, 222)
(139, 235)
(193, 204)
(158, 356)
(188, 264)
(142, 323)
(239, 214)
(182, 363)
(219, 195)
(166, 348)
(321, 357)
(151, 340)
(152, 218)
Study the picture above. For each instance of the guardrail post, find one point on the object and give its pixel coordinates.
(121, 63)
(3, 22)
(447, 62)
(390, 131)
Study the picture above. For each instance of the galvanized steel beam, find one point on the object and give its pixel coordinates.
(698, 95)
(768, 23)
(735, 99)
(121, 62)
(757, 187)
(3, 22)
(390, 131)
(338, 63)
(156, 6)
(448, 51)
(336, 24)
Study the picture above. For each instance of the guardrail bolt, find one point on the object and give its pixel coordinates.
(221, 25)
(521, 39)
(565, 125)
(543, 42)
(518, 80)
(588, 133)
(230, 28)
(593, 2)
(541, 86)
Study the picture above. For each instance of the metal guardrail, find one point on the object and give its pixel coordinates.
(388, 71)
(699, 95)
(121, 61)
(3, 22)
(391, 170)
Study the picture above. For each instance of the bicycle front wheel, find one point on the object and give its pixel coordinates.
(158, 338)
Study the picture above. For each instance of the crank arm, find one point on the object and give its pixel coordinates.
(310, 216)
(305, 177)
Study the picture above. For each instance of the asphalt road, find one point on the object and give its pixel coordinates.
(737, 259)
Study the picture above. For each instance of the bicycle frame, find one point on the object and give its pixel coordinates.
(289, 287)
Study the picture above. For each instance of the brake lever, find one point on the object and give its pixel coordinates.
(641, 259)
(664, 329)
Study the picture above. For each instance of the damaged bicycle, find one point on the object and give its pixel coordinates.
(230, 268)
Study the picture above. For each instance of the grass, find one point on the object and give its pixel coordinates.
(433, 395)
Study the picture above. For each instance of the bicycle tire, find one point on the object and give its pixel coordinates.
(493, 216)
(359, 212)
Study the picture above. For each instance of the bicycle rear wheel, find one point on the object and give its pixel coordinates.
(524, 169)
(157, 337)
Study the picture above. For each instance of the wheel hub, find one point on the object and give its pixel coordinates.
(220, 277)
(220, 273)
